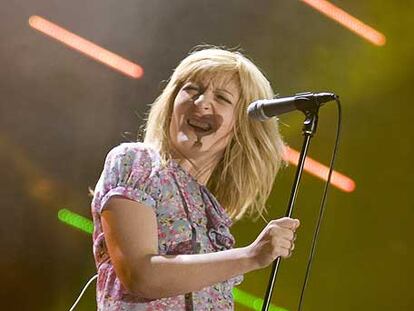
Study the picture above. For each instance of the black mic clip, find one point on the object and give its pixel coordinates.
(309, 102)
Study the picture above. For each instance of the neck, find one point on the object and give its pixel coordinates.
(200, 167)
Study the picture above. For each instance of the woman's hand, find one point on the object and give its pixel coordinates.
(276, 239)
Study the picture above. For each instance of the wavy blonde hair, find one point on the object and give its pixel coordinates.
(243, 178)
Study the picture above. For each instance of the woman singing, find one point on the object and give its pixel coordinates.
(162, 208)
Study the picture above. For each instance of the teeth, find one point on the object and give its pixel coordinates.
(202, 125)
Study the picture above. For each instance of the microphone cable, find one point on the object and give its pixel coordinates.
(82, 292)
(322, 205)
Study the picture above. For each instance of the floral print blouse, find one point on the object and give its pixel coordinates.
(190, 220)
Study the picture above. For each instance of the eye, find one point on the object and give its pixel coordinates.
(224, 98)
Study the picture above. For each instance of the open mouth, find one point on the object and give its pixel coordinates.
(200, 126)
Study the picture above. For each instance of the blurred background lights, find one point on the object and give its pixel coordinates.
(321, 171)
(86, 47)
(252, 302)
(75, 220)
(348, 21)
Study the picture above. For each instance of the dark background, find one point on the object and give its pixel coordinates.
(61, 112)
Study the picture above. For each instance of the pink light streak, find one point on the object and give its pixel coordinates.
(348, 21)
(86, 47)
(321, 171)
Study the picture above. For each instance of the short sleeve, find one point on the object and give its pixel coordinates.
(129, 171)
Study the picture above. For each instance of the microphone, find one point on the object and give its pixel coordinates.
(266, 108)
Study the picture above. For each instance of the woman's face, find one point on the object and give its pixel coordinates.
(203, 116)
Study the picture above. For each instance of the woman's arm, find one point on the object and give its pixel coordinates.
(130, 230)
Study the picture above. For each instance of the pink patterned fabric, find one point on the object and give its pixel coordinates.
(134, 170)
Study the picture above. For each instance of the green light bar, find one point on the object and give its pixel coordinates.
(75, 220)
(251, 301)
(85, 224)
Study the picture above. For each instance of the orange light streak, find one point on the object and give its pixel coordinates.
(348, 21)
(321, 171)
(86, 47)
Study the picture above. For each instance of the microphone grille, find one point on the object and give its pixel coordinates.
(255, 111)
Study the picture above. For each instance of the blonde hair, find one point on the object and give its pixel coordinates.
(243, 178)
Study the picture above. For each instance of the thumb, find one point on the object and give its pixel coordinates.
(288, 223)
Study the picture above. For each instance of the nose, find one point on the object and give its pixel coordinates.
(204, 101)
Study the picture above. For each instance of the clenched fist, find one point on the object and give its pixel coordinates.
(276, 239)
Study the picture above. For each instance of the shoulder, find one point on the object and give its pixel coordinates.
(133, 150)
(132, 162)
(133, 154)
(131, 170)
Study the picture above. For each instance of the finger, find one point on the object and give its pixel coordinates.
(285, 252)
(290, 251)
(282, 243)
(277, 231)
(285, 249)
(280, 221)
(288, 223)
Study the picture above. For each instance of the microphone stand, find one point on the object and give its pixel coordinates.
(308, 130)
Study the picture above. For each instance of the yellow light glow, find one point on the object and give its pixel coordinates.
(348, 21)
(86, 47)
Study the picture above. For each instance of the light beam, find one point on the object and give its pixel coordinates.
(348, 21)
(321, 171)
(86, 47)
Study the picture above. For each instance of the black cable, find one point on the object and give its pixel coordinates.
(322, 206)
